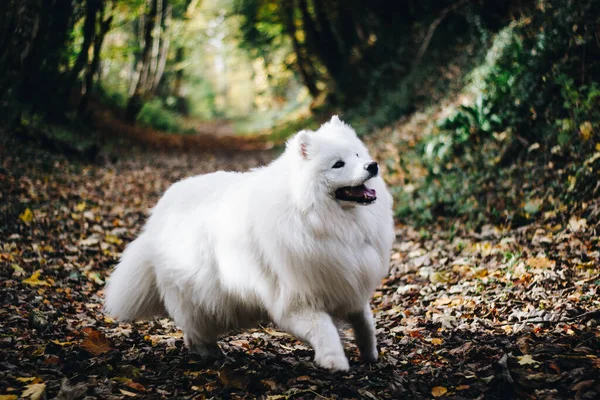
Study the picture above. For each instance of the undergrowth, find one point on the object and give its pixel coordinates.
(527, 139)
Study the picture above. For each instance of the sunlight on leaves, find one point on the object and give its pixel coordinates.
(34, 279)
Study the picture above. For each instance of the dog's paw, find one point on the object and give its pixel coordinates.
(369, 356)
(333, 362)
(210, 351)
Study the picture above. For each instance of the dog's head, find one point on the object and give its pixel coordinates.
(333, 163)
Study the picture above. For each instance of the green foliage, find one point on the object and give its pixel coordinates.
(536, 93)
(156, 116)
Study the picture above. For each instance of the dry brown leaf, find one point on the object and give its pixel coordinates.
(95, 342)
(540, 262)
(438, 391)
(135, 386)
(126, 393)
(240, 343)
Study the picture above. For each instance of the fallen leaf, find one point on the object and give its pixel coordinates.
(135, 386)
(95, 342)
(576, 225)
(62, 344)
(126, 393)
(436, 341)
(26, 216)
(240, 343)
(17, 271)
(34, 391)
(273, 332)
(586, 130)
(80, 206)
(8, 397)
(26, 379)
(303, 378)
(438, 391)
(540, 262)
(34, 279)
(269, 383)
(112, 239)
(527, 360)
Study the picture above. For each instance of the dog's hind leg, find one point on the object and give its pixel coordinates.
(318, 329)
(203, 347)
(364, 333)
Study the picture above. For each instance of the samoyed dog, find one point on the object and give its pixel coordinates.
(302, 242)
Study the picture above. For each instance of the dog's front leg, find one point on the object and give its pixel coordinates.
(364, 333)
(318, 329)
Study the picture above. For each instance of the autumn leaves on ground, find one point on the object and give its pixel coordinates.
(463, 314)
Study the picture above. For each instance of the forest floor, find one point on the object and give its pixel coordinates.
(489, 314)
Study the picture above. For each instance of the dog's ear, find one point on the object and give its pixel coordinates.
(336, 120)
(303, 140)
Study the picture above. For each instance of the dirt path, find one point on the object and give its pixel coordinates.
(448, 315)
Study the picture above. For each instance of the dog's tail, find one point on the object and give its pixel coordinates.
(131, 293)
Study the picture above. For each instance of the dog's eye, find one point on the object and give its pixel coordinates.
(339, 164)
(356, 154)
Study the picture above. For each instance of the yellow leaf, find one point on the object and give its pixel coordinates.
(34, 391)
(80, 207)
(34, 279)
(436, 341)
(438, 391)
(62, 344)
(526, 360)
(112, 239)
(586, 130)
(26, 379)
(27, 216)
(8, 397)
(597, 146)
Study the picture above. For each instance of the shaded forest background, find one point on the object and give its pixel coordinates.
(496, 82)
(484, 116)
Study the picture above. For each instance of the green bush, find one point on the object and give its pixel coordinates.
(156, 116)
(536, 94)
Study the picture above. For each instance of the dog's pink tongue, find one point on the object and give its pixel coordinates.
(361, 191)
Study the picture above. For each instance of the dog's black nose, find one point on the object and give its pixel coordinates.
(372, 167)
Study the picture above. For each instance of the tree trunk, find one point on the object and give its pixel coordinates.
(92, 69)
(157, 37)
(164, 48)
(92, 8)
(136, 101)
(290, 26)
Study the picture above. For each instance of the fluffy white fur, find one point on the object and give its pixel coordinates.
(227, 250)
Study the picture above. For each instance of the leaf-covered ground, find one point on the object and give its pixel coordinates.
(488, 314)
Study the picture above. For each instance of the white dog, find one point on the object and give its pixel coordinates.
(299, 242)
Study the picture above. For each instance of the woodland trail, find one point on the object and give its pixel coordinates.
(462, 314)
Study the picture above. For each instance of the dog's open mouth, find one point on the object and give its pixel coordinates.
(359, 194)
